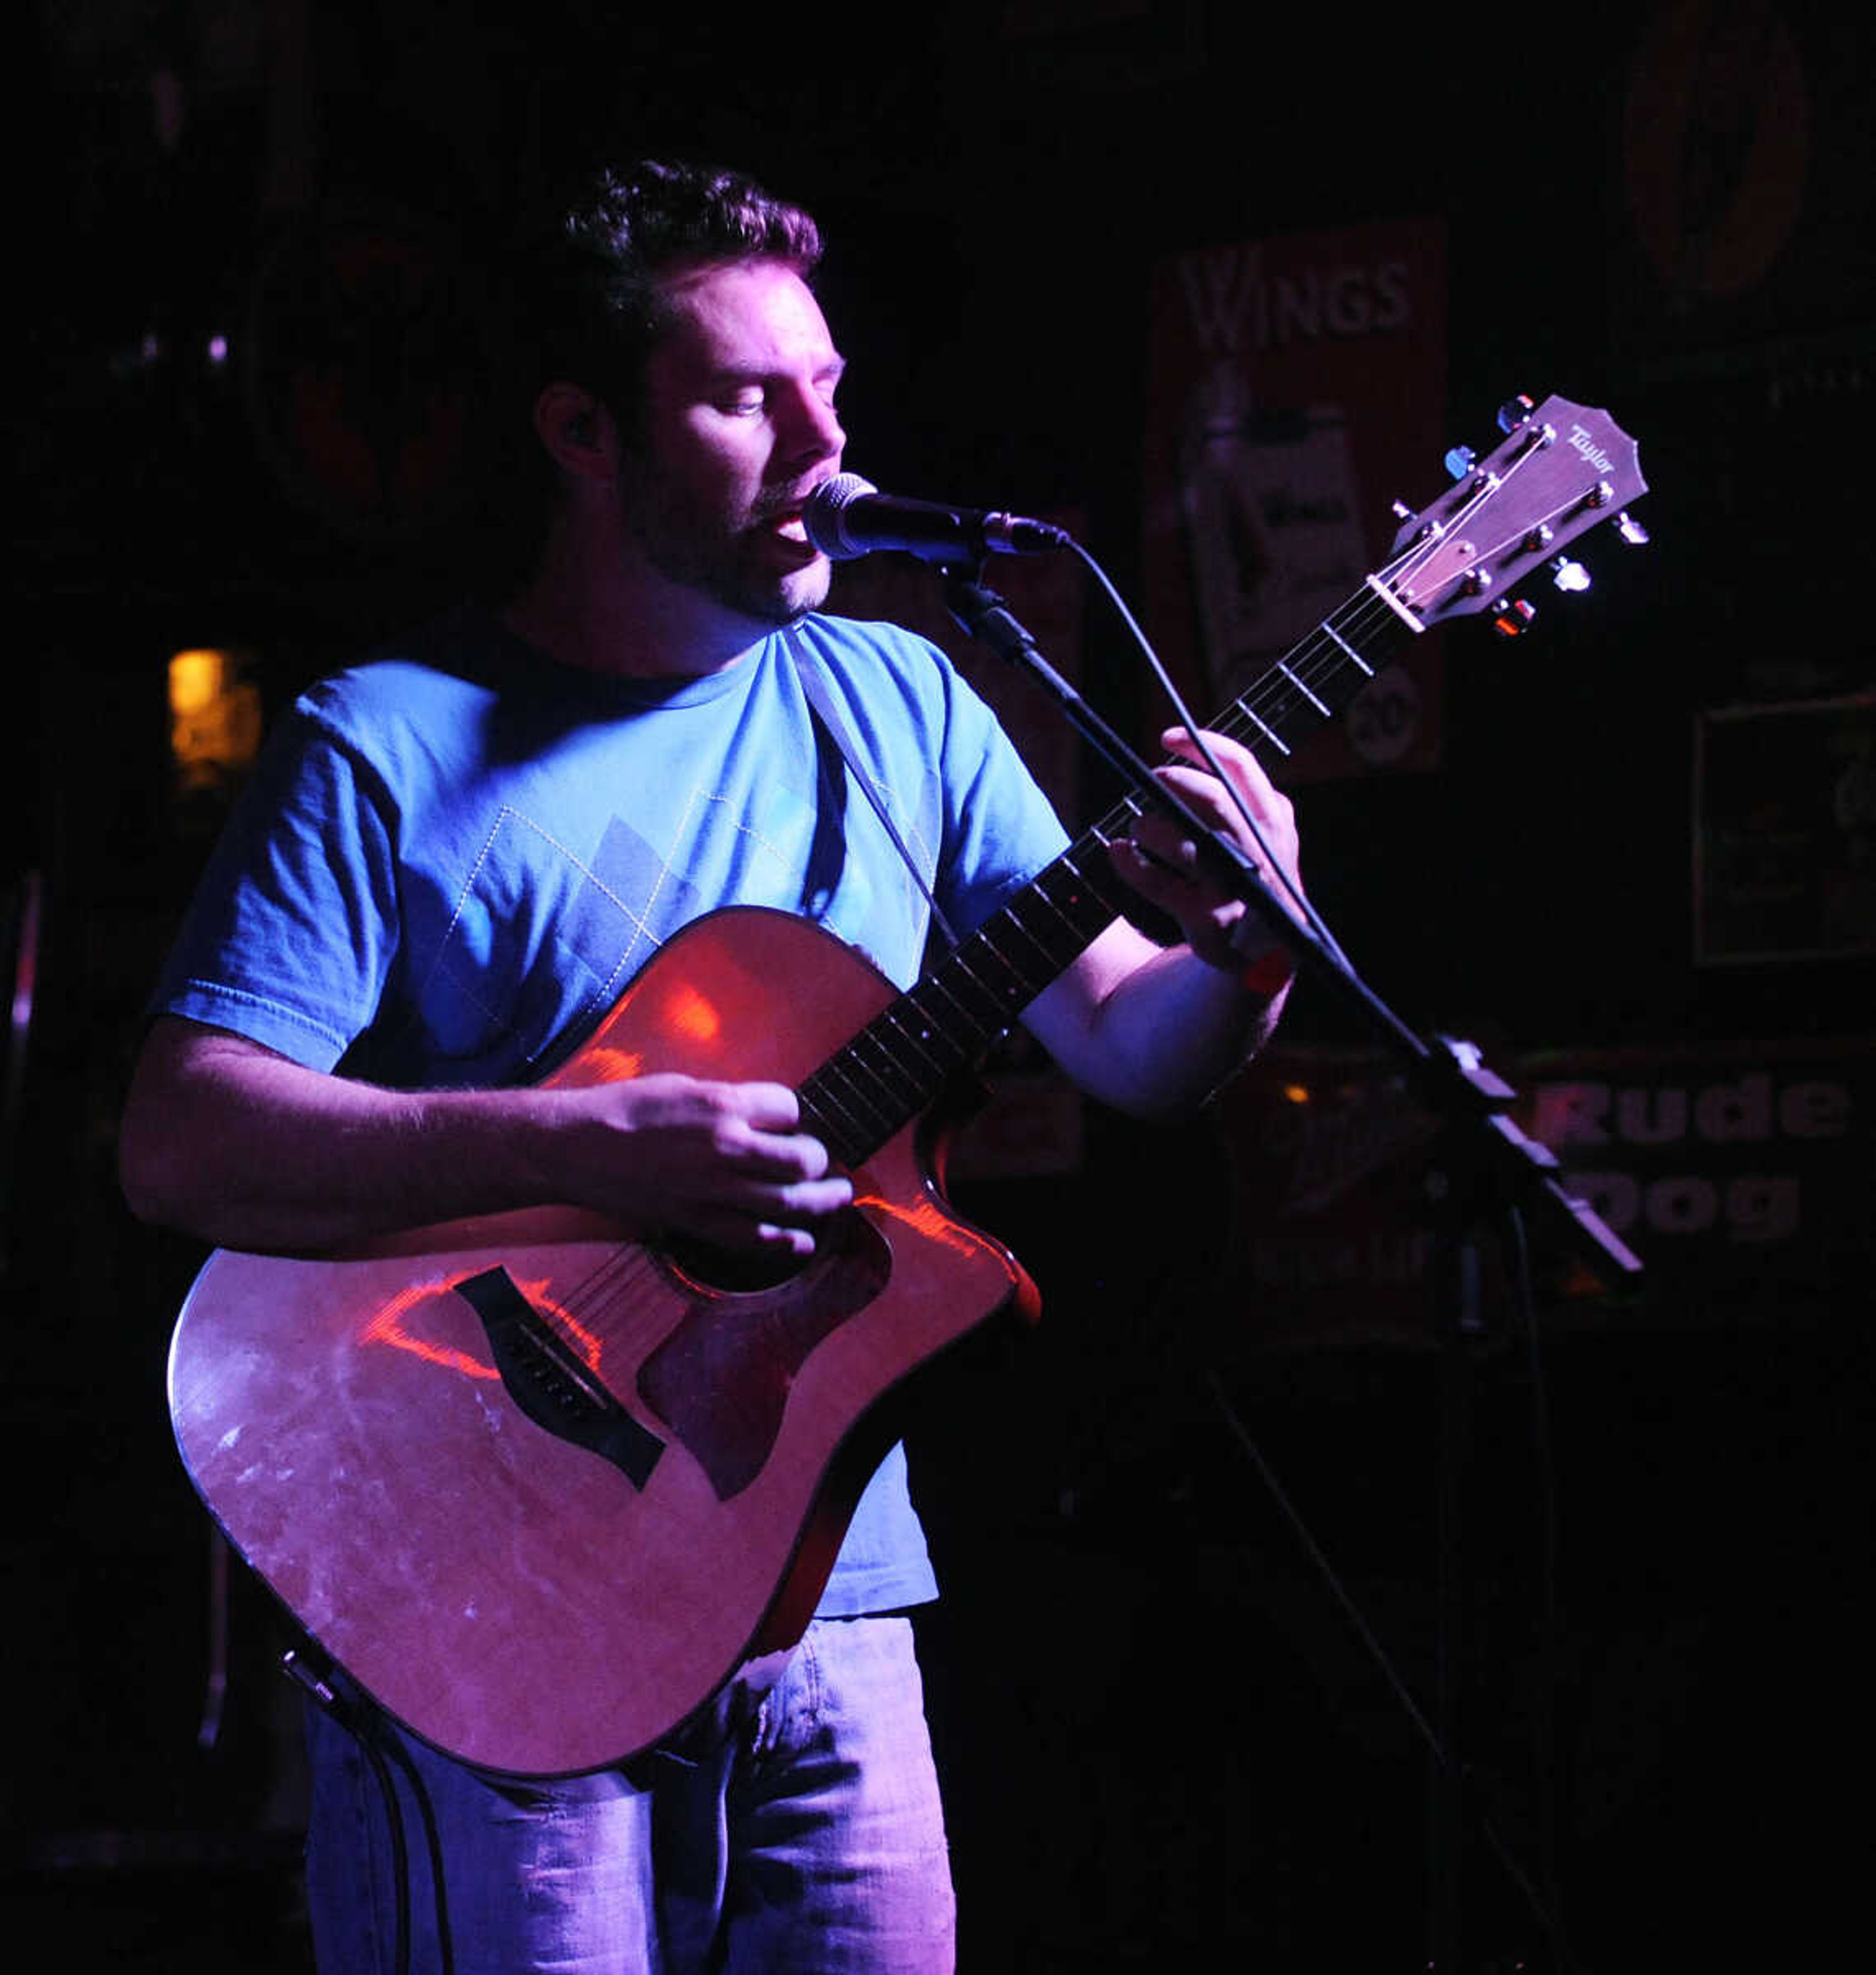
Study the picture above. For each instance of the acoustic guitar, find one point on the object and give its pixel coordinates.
(540, 1489)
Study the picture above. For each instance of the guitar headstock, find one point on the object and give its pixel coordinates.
(1564, 468)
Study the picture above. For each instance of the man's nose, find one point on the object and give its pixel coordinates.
(814, 431)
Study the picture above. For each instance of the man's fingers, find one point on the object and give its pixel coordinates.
(781, 1219)
(767, 1107)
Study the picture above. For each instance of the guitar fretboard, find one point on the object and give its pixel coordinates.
(874, 1085)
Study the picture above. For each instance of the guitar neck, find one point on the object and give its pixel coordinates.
(874, 1085)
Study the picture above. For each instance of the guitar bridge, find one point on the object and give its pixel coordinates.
(551, 1385)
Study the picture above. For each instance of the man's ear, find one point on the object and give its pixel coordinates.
(578, 432)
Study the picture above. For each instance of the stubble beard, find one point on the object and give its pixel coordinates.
(702, 550)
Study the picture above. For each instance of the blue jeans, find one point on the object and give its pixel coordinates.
(792, 1825)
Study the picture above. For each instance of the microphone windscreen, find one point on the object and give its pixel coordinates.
(824, 512)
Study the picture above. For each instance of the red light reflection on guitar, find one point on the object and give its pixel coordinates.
(387, 1326)
(687, 1014)
(925, 1217)
(612, 1066)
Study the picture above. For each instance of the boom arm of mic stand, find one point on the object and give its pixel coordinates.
(1448, 1078)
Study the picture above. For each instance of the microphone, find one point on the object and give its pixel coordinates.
(847, 517)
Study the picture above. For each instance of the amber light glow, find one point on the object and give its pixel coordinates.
(215, 718)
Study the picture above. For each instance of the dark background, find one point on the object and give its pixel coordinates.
(1164, 1746)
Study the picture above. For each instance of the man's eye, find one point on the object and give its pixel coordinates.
(744, 404)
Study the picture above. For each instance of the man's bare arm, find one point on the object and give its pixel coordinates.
(236, 1145)
(1154, 1030)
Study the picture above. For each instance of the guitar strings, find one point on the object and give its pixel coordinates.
(1314, 659)
(868, 1102)
(1321, 654)
(1282, 691)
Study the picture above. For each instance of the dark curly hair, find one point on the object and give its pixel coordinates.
(593, 292)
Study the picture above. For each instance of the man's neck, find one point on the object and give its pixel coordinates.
(632, 623)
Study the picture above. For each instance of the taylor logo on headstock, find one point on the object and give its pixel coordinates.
(1590, 451)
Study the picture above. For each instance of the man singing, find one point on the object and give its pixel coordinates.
(451, 862)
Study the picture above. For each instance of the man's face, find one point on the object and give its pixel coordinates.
(739, 426)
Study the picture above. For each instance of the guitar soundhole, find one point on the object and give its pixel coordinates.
(730, 1273)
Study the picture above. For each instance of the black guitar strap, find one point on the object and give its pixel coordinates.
(821, 703)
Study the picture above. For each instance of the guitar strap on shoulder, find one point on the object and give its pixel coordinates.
(820, 702)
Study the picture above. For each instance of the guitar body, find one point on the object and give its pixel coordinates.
(541, 1574)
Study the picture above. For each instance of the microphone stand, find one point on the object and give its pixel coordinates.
(1488, 1164)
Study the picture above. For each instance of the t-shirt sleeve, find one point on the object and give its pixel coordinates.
(1000, 828)
(293, 929)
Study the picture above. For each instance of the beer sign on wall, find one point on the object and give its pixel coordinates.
(1297, 389)
(1742, 1174)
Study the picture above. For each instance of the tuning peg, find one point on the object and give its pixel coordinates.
(1514, 412)
(1460, 461)
(1631, 530)
(1512, 618)
(1568, 576)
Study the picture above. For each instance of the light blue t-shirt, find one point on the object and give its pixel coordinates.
(452, 858)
